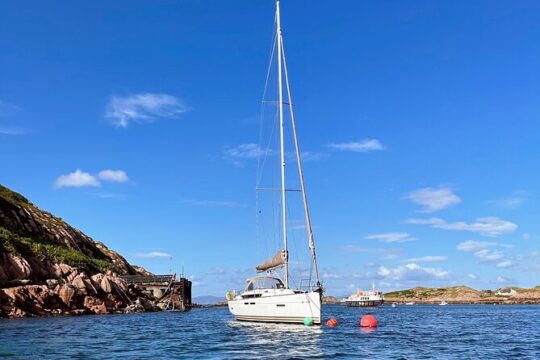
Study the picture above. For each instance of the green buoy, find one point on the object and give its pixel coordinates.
(308, 321)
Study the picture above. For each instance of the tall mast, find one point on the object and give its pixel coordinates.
(309, 228)
(282, 145)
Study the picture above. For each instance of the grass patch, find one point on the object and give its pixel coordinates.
(25, 246)
(12, 197)
(402, 293)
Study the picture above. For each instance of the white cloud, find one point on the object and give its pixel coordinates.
(331, 275)
(113, 175)
(299, 224)
(412, 272)
(501, 279)
(153, 254)
(365, 145)
(526, 236)
(505, 264)
(391, 254)
(240, 153)
(76, 179)
(428, 258)
(471, 276)
(384, 271)
(80, 178)
(141, 108)
(471, 245)
(311, 156)
(306, 156)
(512, 202)
(392, 237)
(483, 252)
(486, 226)
(434, 199)
(489, 256)
(244, 151)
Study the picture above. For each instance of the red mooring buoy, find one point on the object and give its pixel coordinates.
(331, 322)
(368, 321)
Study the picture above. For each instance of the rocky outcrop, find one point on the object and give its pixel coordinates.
(74, 294)
(48, 267)
(329, 300)
(49, 232)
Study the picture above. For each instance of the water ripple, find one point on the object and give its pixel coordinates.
(405, 332)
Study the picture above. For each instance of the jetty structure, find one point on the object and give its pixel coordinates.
(172, 292)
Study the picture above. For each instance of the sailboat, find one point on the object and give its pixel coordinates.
(269, 297)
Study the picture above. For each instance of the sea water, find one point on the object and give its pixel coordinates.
(404, 332)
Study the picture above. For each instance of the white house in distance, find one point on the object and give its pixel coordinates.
(506, 292)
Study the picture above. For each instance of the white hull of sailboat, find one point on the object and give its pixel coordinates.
(283, 308)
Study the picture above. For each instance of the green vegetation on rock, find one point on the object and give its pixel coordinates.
(422, 293)
(12, 197)
(24, 246)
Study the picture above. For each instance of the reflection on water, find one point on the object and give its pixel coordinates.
(280, 340)
(406, 332)
(367, 330)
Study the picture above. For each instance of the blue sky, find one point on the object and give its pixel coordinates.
(136, 122)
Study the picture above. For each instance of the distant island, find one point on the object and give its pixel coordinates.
(458, 295)
(49, 268)
(465, 295)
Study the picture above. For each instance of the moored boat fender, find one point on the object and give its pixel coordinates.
(308, 321)
(229, 295)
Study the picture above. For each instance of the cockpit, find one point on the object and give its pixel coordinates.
(264, 282)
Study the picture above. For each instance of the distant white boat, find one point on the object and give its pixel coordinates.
(370, 298)
(409, 303)
(394, 305)
(443, 303)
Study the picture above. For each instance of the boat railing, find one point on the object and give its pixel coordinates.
(307, 285)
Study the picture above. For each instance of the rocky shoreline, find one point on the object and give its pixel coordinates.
(48, 268)
(74, 293)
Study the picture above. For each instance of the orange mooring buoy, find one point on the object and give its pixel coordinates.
(368, 321)
(331, 322)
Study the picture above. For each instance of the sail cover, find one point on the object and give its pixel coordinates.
(279, 259)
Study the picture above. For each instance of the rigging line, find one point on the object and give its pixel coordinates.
(276, 102)
(258, 215)
(272, 183)
(268, 149)
(276, 189)
(262, 167)
(296, 253)
(299, 161)
(272, 51)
